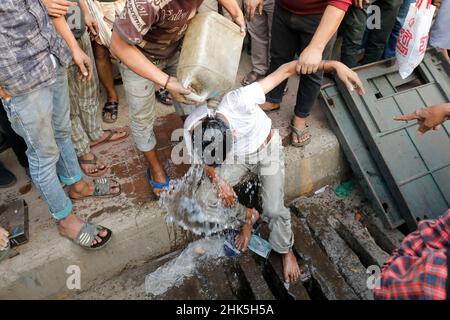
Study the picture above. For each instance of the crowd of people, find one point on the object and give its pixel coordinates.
(56, 53)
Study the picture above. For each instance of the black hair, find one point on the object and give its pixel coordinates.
(212, 141)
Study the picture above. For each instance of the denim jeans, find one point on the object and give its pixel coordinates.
(389, 51)
(41, 118)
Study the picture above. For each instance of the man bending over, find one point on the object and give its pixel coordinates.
(254, 147)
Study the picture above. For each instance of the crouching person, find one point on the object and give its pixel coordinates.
(242, 130)
(34, 92)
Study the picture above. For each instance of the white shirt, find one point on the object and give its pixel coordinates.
(249, 124)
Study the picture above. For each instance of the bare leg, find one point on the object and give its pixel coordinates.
(300, 123)
(158, 173)
(105, 73)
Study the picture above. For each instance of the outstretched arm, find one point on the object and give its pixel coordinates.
(349, 77)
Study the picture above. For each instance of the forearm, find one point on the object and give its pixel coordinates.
(136, 61)
(63, 29)
(278, 76)
(84, 8)
(232, 7)
(328, 26)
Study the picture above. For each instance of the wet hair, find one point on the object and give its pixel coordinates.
(212, 141)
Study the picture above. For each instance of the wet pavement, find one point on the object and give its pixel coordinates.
(333, 268)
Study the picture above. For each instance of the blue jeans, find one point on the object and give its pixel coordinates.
(389, 51)
(42, 118)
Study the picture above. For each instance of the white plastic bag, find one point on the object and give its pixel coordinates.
(413, 38)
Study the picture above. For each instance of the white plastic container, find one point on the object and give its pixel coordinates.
(210, 57)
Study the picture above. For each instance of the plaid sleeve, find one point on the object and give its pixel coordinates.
(419, 268)
(136, 20)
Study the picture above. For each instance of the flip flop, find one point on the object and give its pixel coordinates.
(109, 137)
(157, 185)
(4, 253)
(99, 172)
(87, 235)
(111, 108)
(102, 189)
(300, 133)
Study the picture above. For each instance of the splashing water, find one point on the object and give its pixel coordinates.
(186, 204)
(175, 271)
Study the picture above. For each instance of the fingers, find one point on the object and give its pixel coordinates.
(260, 7)
(84, 73)
(251, 12)
(406, 117)
(4, 94)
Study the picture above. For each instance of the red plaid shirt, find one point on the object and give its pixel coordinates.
(419, 268)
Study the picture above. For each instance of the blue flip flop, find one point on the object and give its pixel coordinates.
(155, 184)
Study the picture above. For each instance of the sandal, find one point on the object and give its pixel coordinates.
(87, 234)
(99, 172)
(4, 252)
(301, 133)
(251, 77)
(111, 108)
(102, 189)
(163, 96)
(157, 185)
(109, 137)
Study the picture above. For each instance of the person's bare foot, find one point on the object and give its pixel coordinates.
(291, 270)
(71, 226)
(243, 238)
(4, 240)
(269, 106)
(83, 189)
(120, 134)
(299, 123)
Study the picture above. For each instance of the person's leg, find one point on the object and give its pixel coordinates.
(83, 114)
(67, 167)
(389, 51)
(15, 141)
(7, 178)
(352, 30)
(309, 86)
(284, 45)
(105, 74)
(378, 38)
(209, 5)
(140, 95)
(271, 173)
(259, 30)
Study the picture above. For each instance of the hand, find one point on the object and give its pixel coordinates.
(58, 8)
(349, 78)
(251, 6)
(225, 193)
(360, 3)
(91, 24)
(178, 92)
(4, 95)
(309, 60)
(84, 64)
(3, 238)
(428, 118)
(240, 21)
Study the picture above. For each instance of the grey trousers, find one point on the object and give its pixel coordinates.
(260, 29)
(268, 164)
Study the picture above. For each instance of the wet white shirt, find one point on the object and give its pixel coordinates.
(249, 124)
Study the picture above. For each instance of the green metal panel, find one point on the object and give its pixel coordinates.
(416, 169)
(358, 155)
